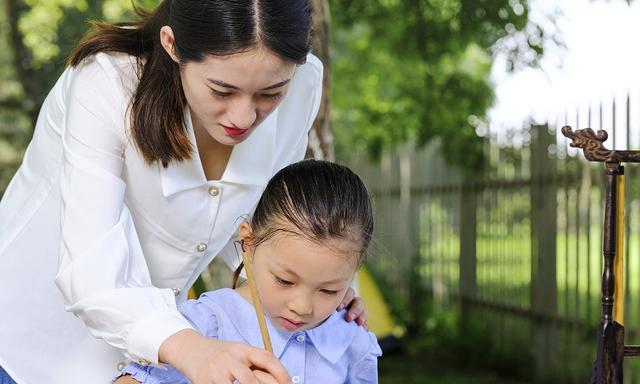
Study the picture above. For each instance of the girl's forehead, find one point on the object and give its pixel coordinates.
(319, 261)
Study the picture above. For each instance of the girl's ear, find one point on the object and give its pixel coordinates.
(246, 239)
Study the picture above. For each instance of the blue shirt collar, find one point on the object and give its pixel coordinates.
(331, 338)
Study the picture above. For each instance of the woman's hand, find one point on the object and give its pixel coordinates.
(356, 308)
(207, 361)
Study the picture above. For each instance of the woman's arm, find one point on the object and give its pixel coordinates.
(103, 274)
(199, 356)
(204, 360)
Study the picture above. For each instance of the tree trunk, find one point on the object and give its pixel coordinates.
(320, 136)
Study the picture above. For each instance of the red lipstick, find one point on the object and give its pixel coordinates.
(232, 131)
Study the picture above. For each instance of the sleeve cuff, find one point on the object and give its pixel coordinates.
(149, 333)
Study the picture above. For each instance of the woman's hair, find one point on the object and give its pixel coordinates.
(318, 200)
(200, 28)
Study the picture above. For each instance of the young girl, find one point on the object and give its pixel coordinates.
(308, 236)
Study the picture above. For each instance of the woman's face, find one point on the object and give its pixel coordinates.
(229, 96)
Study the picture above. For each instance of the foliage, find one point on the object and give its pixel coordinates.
(36, 37)
(419, 70)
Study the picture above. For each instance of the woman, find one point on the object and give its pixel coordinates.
(146, 152)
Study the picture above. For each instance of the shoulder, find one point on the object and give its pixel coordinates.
(309, 75)
(221, 313)
(115, 73)
(213, 300)
(339, 340)
(214, 303)
(313, 66)
(364, 344)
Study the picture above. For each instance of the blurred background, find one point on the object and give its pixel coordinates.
(486, 263)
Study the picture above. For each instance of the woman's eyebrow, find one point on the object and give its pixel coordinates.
(223, 84)
(276, 85)
(230, 86)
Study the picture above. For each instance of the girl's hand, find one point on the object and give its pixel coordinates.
(356, 308)
(208, 361)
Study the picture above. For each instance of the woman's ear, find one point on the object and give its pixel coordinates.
(246, 239)
(168, 42)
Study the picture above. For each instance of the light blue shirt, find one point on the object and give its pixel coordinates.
(334, 352)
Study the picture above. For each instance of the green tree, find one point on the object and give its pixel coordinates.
(36, 37)
(419, 70)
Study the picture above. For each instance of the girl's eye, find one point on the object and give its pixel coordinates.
(283, 282)
(329, 292)
(272, 96)
(222, 95)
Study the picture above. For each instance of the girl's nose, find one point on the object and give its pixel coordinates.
(301, 305)
(242, 112)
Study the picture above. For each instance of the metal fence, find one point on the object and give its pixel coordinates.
(515, 251)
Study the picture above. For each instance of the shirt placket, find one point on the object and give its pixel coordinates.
(213, 193)
(297, 369)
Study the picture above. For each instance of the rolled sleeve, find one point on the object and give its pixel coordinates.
(151, 331)
(202, 315)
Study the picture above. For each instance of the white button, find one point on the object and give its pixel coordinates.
(295, 379)
(214, 191)
(121, 364)
(300, 338)
(176, 291)
(201, 247)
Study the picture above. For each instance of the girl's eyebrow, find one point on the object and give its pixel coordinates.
(290, 272)
(230, 86)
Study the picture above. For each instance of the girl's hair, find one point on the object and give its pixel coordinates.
(318, 200)
(201, 28)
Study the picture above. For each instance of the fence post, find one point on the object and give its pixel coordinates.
(543, 248)
(468, 239)
(409, 238)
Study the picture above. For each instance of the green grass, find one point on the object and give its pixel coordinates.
(427, 360)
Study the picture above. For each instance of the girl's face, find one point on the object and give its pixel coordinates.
(229, 96)
(300, 282)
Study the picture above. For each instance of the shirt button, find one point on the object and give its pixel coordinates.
(201, 247)
(295, 379)
(214, 191)
(121, 364)
(176, 291)
(300, 338)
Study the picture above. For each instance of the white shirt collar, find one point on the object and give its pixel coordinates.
(251, 161)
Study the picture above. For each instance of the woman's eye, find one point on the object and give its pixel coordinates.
(283, 282)
(220, 94)
(272, 96)
(329, 292)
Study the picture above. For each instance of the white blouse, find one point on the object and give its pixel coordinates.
(87, 226)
